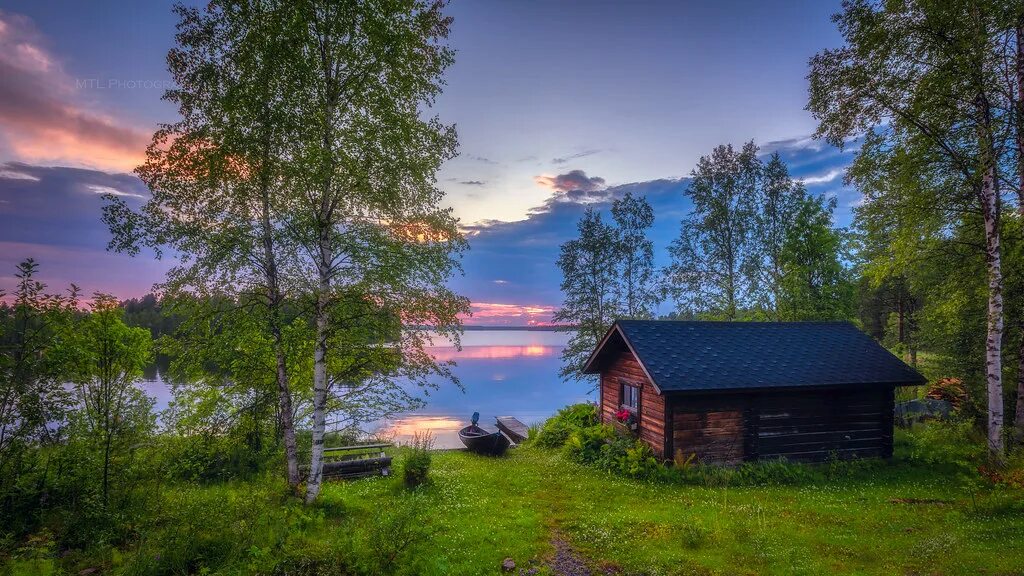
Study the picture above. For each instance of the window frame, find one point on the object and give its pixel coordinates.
(623, 384)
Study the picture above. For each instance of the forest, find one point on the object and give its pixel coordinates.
(296, 199)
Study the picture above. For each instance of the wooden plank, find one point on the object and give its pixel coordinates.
(815, 425)
(809, 425)
(357, 468)
(359, 447)
(821, 456)
(513, 428)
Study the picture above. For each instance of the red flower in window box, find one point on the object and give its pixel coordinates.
(627, 418)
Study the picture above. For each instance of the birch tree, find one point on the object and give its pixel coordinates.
(216, 176)
(778, 200)
(589, 265)
(636, 289)
(713, 260)
(365, 210)
(920, 76)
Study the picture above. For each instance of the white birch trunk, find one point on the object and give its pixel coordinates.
(1019, 417)
(994, 339)
(316, 462)
(287, 417)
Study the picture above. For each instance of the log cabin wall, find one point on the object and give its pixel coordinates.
(651, 407)
(814, 425)
(712, 427)
(804, 425)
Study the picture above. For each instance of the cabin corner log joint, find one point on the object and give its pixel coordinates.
(729, 392)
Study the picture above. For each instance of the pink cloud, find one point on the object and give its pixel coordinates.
(500, 314)
(93, 270)
(42, 116)
(570, 181)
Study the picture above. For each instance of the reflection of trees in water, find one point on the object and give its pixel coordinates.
(158, 369)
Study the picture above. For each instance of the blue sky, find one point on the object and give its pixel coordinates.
(549, 98)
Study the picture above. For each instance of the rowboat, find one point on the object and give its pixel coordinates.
(481, 441)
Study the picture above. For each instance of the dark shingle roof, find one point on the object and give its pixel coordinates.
(737, 355)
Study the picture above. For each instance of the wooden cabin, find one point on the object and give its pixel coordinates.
(735, 391)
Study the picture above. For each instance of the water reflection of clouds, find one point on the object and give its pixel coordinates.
(406, 427)
(493, 352)
(503, 373)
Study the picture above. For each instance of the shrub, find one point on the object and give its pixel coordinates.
(35, 558)
(585, 444)
(556, 431)
(694, 535)
(639, 461)
(389, 543)
(579, 415)
(608, 448)
(416, 465)
(945, 442)
(215, 457)
(951, 390)
(196, 529)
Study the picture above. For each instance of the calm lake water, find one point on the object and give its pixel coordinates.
(503, 373)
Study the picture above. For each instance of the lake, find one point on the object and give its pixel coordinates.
(503, 373)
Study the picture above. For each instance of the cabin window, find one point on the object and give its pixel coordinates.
(630, 397)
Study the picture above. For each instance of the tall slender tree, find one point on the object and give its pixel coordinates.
(307, 158)
(636, 289)
(216, 176)
(778, 199)
(713, 258)
(365, 209)
(1018, 79)
(589, 276)
(107, 358)
(814, 285)
(32, 371)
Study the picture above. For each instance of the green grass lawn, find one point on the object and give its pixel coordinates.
(538, 507)
(893, 519)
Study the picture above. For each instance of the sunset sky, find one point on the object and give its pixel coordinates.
(557, 104)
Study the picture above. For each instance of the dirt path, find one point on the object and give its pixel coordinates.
(566, 561)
